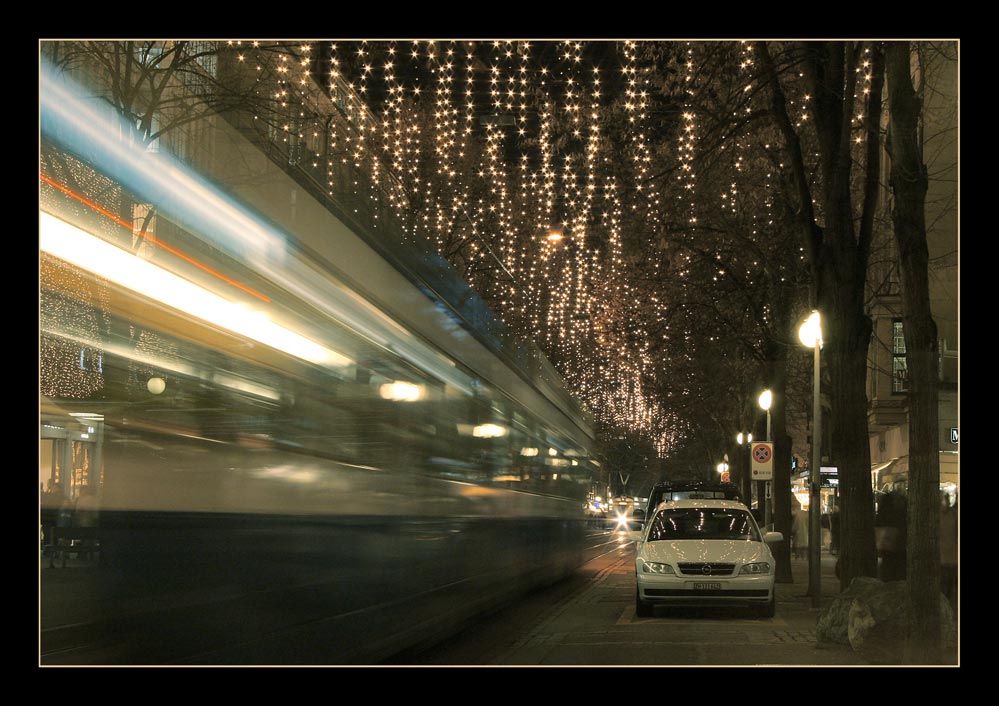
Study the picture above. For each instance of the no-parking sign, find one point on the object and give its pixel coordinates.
(763, 461)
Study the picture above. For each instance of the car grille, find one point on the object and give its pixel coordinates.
(702, 568)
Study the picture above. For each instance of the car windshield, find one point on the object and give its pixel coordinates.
(703, 523)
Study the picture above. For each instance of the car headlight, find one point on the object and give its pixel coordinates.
(758, 567)
(654, 567)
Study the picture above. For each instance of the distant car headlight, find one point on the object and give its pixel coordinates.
(759, 567)
(654, 567)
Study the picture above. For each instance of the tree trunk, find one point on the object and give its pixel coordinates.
(841, 281)
(745, 472)
(841, 277)
(838, 253)
(781, 483)
(782, 502)
(841, 274)
(909, 185)
(848, 337)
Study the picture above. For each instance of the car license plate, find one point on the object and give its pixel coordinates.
(707, 586)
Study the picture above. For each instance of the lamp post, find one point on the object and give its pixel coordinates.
(810, 334)
(766, 399)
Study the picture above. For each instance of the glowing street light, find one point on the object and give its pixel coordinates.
(810, 331)
(766, 399)
(810, 334)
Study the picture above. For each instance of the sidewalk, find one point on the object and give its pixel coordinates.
(795, 606)
(795, 594)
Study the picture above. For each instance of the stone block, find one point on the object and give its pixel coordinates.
(834, 620)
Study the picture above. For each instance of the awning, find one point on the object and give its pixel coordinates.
(897, 470)
(880, 471)
(878, 467)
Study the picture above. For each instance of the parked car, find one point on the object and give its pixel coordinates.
(691, 490)
(704, 552)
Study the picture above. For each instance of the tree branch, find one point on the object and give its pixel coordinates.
(805, 212)
(872, 182)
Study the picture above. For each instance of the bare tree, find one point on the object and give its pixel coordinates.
(836, 232)
(909, 181)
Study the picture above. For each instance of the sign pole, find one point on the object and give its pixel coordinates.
(814, 500)
(762, 462)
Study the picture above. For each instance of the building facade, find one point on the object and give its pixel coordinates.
(937, 75)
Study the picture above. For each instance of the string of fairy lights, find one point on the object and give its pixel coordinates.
(531, 167)
(477, 148)
(66, 368)
(687, 140)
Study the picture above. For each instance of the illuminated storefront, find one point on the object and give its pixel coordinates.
(894, 475)
(828, 491)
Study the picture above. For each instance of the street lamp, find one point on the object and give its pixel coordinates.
(766, 399)
(810, 334)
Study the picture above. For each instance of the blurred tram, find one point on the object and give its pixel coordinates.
(293, 450)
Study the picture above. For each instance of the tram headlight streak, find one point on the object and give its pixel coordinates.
(69, 243)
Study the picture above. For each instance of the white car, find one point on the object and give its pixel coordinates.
(705, 553)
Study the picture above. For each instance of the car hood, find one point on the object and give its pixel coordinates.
(713, 550)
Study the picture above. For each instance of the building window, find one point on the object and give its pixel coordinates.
(201, 67)
(899, 370)
(206, 54)
(148, 54)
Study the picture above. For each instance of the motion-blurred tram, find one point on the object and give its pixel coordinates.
(291, 444)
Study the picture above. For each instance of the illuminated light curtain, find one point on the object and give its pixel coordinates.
(349, 118)
(68, 368)
(495, 215)
(688, 139)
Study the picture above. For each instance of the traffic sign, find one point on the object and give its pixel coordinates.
(763, 461)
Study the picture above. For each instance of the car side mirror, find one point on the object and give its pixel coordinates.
(773, 537)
